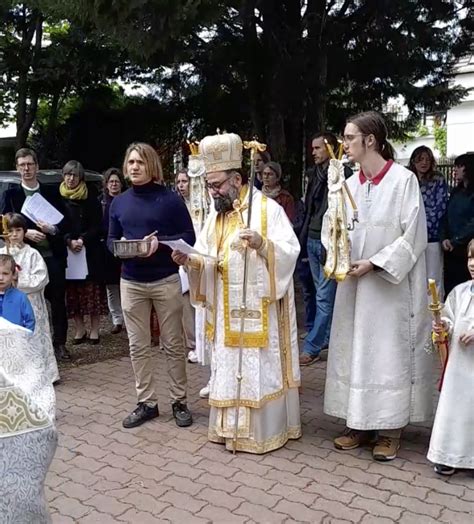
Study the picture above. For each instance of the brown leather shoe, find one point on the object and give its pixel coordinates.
(116, 329)
(386, 448)
(307, 360)
(352, 439)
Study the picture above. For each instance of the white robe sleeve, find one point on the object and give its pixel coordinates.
(398, 258)
(33, 276)
(448, 313)
(199, 267)
(282, 253)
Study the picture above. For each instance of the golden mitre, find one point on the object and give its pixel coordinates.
(221, 152)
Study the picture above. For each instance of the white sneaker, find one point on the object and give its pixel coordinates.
(204, 393)
(192, 357)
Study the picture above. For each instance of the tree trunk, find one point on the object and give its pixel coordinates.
(316, 67)
(253, 66)
(47, 151)
(281, 24)
(27, 101)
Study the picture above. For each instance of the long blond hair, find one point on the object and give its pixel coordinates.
(151, 158)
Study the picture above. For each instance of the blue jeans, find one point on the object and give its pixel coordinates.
(305, 277)
(318, 337)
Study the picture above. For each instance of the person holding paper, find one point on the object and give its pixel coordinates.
(152, 280)
(47, 239)
(86, 296)
(269, 409)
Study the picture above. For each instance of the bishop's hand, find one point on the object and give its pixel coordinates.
(179, 258)
(254, 239)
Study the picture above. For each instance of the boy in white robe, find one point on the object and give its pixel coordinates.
(32, 280)
(452, 439)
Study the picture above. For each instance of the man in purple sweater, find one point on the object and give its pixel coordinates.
(152, 280)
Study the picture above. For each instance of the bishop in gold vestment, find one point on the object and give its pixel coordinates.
(269, 404)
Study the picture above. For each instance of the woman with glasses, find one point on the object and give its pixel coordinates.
(271, 188)
(434, 191)
(379, 374)
(114, 184)
(84, 297)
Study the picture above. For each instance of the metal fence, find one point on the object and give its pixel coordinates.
(446, 169)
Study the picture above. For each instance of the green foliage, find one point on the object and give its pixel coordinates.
(46, 63)
(106, 122)
(422, 130)
(441, 139)
(276, 68)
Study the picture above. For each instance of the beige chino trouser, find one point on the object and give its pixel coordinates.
(137, 300)
(189, 315)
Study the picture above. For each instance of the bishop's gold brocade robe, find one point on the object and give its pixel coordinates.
(269, 413)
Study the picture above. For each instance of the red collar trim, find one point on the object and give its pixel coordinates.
(378, 178)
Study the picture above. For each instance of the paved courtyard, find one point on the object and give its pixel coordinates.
(103, 473)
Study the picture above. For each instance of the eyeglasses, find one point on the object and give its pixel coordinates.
(24, 165)
(71, 175)
(215, 186)
(350, 138)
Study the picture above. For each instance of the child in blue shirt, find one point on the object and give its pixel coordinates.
(14, 304)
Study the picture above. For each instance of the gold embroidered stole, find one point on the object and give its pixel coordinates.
(230, 267)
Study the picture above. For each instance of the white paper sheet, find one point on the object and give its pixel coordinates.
(183, 276)
(183, 246)
(76, 265)
(37, 209)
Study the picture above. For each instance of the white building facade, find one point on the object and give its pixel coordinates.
(460, 119)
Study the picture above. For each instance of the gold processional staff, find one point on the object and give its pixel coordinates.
(440, 340)
(5, 233)
(335, 234)
(254, 147)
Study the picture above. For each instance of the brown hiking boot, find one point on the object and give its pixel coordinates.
(386, 448)
(352, 439)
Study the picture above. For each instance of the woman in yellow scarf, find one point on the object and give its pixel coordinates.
(87, 296)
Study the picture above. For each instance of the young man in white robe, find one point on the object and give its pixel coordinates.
(379, 373)
(32, 280)
(269, 411)
(452, 441)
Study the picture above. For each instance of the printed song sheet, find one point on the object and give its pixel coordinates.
(38, 209)
(183, 246)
